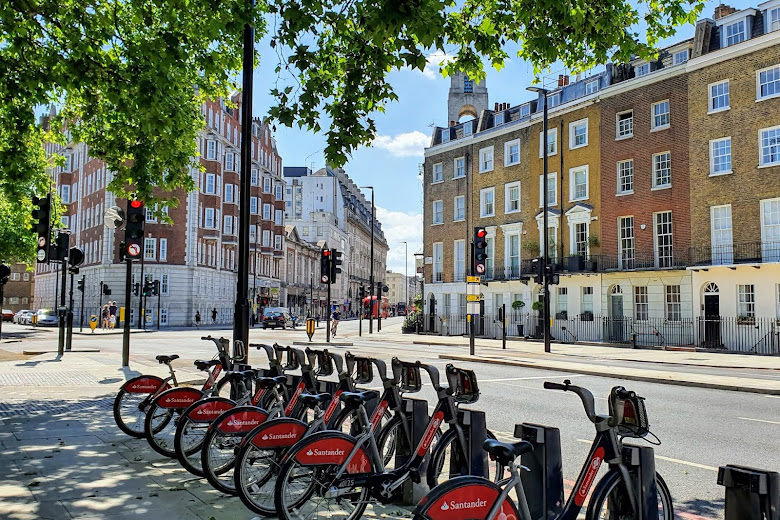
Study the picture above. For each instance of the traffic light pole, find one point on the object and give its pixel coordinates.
(327, 323)
(379, 306)
(63, 288)
(159, 292)
(69, 316)
(141, 302)
(83, 290)
(126, 332)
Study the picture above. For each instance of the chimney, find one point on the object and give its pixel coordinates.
(560, 80)
(495, 107)
(723, 10)
(565, 80)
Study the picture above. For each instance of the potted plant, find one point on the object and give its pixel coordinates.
(563, 315)
(575, 263)
(517, 305)
(593, 241)
(746, 320)
(538, 307)
(531, 246)
(586, 316)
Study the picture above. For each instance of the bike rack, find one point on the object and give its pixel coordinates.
(475, 432)
(543, 481)
(641, 463)
(751, 494)
(417, 413)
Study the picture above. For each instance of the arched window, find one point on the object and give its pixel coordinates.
(711, 288)
(616, 290)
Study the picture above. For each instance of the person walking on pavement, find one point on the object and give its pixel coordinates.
(197, 319)
(214, 315)
(111, 314)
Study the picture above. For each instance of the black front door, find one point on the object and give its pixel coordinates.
(432, 314)
(712, 321)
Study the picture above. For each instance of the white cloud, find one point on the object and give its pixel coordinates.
(433, 62)
(410, 144)
(399, 227)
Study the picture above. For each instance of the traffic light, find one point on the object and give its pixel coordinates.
(75, 259)
(106, 290)
(80, 284)
(537, 270)
(136, 288)
(134, 232)
(156, 288)
(42, 215)
(553, 278)
(325, 266)
(480, 251)
(148, 288)
(362, 292)
(59, 252)
(335, 262)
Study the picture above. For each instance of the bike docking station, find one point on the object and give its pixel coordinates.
(464, 388)
(543, 480)
(751, 494)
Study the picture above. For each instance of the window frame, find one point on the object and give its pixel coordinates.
(455, 208)
(676, 54)
(641, 67)
(619, 183)
(153, 241)
(498, 118)
(437, 167)
(483, 201)
(554, 202)
(573, 182)
(482, 161)
(508, 153)
(711, 97)
(761, 163)
(759, 97)
(507, 189)
(462, 159)
(673, 298)
(655, 170)
(550, 132)
(213, 190)
(712, 144)
(659, 224)
(573, 133)
(749, 310)
(588, 89)
(725, 32)
(621, 243)
(618, 135)
(440, 221)
(641, 303)
(656, 127)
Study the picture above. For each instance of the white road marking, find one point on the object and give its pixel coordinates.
(669, 459)
(523, 378)
(773, 396)
(758, 420)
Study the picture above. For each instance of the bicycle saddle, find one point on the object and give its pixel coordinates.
(506, 452)
(237, 375)
(312, 400)
(357, 398)
(270, 382)
(205, 365)
(166, 359)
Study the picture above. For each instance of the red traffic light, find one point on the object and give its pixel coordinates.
(326, 252)
(481, 233)
(136, 203)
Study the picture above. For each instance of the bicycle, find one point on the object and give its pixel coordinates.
(135, 395)
(336, 475)
(614, 497)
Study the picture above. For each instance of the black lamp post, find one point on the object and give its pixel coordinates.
(371, 276)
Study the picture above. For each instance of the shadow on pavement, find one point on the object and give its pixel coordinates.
(699, 508)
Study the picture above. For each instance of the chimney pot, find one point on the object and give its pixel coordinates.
(560, 80)
(565, 80)
(723, 10)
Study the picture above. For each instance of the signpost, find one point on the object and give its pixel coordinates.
(472, 306)
(310, 323)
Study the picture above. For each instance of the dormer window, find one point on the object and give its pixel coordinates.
(680, 57)
(734, 33)
(642, 70)
(445, 135)
(554, 100)
(498, 119)
(773, 19)
(467, 129)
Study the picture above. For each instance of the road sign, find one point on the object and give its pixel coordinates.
(41, 255)
(310, 327)
(472, 297)
(42, 242)
(473, 279)
(472, 307)
(133, 250)
(93, 321)
(472, 289)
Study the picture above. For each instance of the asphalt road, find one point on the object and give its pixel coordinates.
(700, 429)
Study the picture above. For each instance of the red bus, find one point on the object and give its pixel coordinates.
(385, 307)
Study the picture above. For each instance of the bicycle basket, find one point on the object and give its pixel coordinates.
(463, 384)
(634, 423)
(364, 370)
(410, 380)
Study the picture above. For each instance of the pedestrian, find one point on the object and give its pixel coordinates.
(197, 319)
(104, 314)
(112, 314)
(334, 323)
(214, 315)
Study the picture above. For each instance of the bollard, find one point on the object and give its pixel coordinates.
(641, 463)
(543, 483)
(751, 494)
(475, 432)
(417, 413)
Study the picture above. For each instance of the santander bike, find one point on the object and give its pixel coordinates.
(615, 496)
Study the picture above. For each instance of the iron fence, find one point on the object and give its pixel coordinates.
(740, 334)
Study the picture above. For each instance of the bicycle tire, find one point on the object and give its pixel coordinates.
(439, 459)
(160, 421)
(191, 432)
(132, 421)
(607, 489)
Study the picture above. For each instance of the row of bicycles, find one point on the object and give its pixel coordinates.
(289, 449)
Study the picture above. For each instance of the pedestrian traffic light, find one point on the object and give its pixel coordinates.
(80, 284)
(335, 262)
(134, 232)
(480, 251)
(136, 288)
(59, 252)
(537, 270)
(42, 225)
(325, 266)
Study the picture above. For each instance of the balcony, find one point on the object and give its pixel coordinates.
(739, 253)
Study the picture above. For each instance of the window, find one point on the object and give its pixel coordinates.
(562, 303)
(591, 87)
(663, 239)
(208, 221)
(278, 242)
(65, 221)
(720, 156)
(490, 252)
(578, 134)
(438, 175)
(498, 118)
(721, 231)
(253, 179)
(625, 171)
(486, 202)
(253, 233)
(266, 238)
(445, 135)
(513, 255)
(163, 316)
(552, 142)
(769, 146)
(660, 115)
(266, 184)
(578, 183)
(512, 197)
(641, 303)
(735, 33)
(210, 184)
(680, 57)
(662, 170)
(719, 96)
(279, 194)
(773, 20)
(65, 193)
(164, 284)
(459, 206)
(228, 193)
(468, 85)
(552, 185)
(459, 258)
(768, 83)
(211, 150)
(163, 249)
(553, 100)
(642, 70)
(438, 261)
(266, 212)
(486, 159)
(770, 230)
(150, 248)
(673, 303)
(229, 163)
(581, 238)
(467, 128)
(625, 124)
(228, 227)
(459, 168)
(746, 306)
(26, 277)
(587, 300)
(278, 217)
(626, 230)
(253, 205)
(512, 152)
(438, 212)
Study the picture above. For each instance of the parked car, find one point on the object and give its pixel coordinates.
(274, 317)
(46, 317)
(27, 319)
(20, 316)
(8, 315)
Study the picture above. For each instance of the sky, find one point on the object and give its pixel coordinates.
(393, 162)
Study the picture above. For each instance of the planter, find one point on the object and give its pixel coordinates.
(746, 320)
(586, 316)
(520, 328)
(575, 264)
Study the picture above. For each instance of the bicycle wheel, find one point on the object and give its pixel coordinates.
(161, 418)
(191, 431)
(610, 502)
(132, 401)
(253, 481)
(439, 468)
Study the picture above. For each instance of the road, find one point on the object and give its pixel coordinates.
(700, 428)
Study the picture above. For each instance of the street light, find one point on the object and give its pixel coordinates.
(371, 275)
(421, 257)
(406, 272)
(546, 240)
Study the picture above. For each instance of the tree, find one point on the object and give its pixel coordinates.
(130, 76)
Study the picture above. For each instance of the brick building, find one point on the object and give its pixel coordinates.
(19, 291)
(195, 257)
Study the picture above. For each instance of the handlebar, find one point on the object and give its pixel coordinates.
(585, 396)
(269, 350)
(223, 344)
(323, 360)
(433, 372)
(380, 365)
